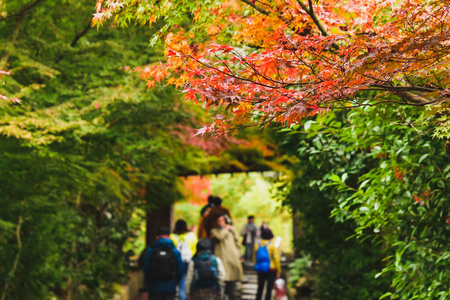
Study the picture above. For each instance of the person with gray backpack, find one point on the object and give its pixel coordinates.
(206, 274)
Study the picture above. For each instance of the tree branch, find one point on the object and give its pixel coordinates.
(406, 92)
(447, 148)
(405, 88)
(16, 260)
(12, 40)
(261, 10)
(23, 10)
(416, 98)
(75, 40)
(80, 34)
(313, 16)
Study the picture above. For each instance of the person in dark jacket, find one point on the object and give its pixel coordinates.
(210, 204)
(163, 267)
(215, 211)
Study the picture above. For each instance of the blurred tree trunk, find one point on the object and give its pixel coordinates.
(297, 230)
(161, 217)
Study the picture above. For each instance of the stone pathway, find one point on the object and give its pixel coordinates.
(248, 287)
(250, 283)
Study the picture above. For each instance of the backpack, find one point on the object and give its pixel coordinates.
(163, 265)
(262, 259)
(244, 240)
(206, 272)
(185, 250)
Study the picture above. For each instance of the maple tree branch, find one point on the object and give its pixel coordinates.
(409, 98)
(80, 34)
(311, 9)
(27, 7)
(258, 74)
(313, 16)
(279, 76)
(357, 105)
(252, 46)
(75, 40)
(305, 64)
(261, 10)
(225, 64)
(417, 99)
(405, 88)
(441, 86)
(408, 80)
(231, 75)
(263, 3)
(304, 6)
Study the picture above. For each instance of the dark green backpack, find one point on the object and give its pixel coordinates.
(206, 272)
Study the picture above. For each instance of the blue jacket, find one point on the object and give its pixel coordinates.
(163, 285)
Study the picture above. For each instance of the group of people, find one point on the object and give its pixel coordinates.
(209, 266)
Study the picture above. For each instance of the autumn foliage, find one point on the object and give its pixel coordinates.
(197, 189)
(282, 61)
(259, 62)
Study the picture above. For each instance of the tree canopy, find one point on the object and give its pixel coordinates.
(376, 161)
(286, 60)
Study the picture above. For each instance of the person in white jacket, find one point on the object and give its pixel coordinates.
(206, 274)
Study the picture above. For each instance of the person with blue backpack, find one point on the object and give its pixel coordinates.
(163, 267)
(267, 263)
(206, 274)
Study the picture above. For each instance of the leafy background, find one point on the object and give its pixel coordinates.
(90, 150)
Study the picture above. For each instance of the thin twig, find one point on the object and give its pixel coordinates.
(16, 260)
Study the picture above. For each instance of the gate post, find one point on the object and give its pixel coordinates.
(297, 230)
(160, 217)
